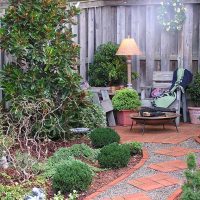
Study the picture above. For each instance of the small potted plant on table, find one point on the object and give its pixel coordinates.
(126, 102)
(194, 91)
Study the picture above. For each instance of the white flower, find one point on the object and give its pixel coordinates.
(174, 4)
(168, 28)
(161, 3)
(178, 10)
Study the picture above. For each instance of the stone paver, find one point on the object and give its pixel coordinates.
(176, 151)
(169, 166)
(153, 182)
(137, 196)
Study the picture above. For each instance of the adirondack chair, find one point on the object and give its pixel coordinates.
(102, 98)
(164, 80)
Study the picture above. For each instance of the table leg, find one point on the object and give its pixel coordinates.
(131, 126)
(163, 126)
(176, 126)
(143, 128)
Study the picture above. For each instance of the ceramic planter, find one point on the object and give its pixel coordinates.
(123, 117)
(194, 114)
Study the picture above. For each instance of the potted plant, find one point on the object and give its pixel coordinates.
(194, 91)
(107, 69)
(125, 101)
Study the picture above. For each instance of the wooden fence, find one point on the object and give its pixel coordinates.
(113, 20)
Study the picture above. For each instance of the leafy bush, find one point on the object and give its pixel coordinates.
(126, 99)
(103, 136)
(107, 68)
(63, 154)
(194, 90)
(91, 117)
(114, 156)
(135, 148)
(72, 175)
(41, 81)
(191, 189)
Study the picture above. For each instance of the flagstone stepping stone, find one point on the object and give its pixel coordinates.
(169, 166)
(138, 196)
(176, 151)
(153, 182)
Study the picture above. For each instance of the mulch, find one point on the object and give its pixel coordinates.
(101, 178)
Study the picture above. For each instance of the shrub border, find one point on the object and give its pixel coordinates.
(175, 194)
(145, 156)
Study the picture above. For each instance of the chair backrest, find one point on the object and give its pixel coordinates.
(162, 79)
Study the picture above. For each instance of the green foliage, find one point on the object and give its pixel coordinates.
(103, 136)
(191, 189)
(135, 148)
(42, 73)
(64, 154)
(72, 196)
(72, 175)
(194, 90)
(114, 156)
(91, 117)
(107, 68)
(126, 99)
(12, 192)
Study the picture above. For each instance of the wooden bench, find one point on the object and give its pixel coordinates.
(163, 80)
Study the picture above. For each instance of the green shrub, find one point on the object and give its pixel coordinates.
(41, 85)
(107, 68)
(114, 156)
(126, 99)
(103, 136)
(191, 188)
(91, 117)
(135, 148)
(63, 154)
(72, 175)
(194, 90)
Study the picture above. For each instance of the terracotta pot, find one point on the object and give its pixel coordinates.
(194, 114)
(123, 117)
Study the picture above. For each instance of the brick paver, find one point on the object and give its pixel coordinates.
(169, 166)
(153, 182)
(136, 196)
(156, 134)
(176, 151)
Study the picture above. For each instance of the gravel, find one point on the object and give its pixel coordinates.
(123, 188)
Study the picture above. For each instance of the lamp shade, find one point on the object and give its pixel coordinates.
(128, 47)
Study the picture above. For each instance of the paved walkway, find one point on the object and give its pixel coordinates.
(163, 173)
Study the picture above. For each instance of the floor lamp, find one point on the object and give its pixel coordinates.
(128, 48)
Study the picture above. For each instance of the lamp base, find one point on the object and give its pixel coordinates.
(129, 85)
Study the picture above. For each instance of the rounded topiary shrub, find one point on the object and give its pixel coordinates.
(103, 136)
(126, 99)
(108, 68)
(114, 156)
(72, 175)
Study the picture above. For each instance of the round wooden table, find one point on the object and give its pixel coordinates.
(168, 118)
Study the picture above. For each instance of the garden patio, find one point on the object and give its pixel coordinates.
(76, 77)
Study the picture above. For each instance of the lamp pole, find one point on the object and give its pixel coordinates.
(128, 61)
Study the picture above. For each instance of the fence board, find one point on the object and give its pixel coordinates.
(150, 37)
(188, 30)
(98, 25)
(120, 23)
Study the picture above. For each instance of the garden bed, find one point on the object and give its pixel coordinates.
(9, 176)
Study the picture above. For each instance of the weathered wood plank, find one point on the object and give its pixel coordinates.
(98, 27)
(187, 39)
(120, 23)
(199, 42)
(165, 50)
(83, 45)
(75, 29)
(91, 39)
(150, 38)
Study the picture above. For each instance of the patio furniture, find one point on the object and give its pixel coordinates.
(168, 118)
(163, 80)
